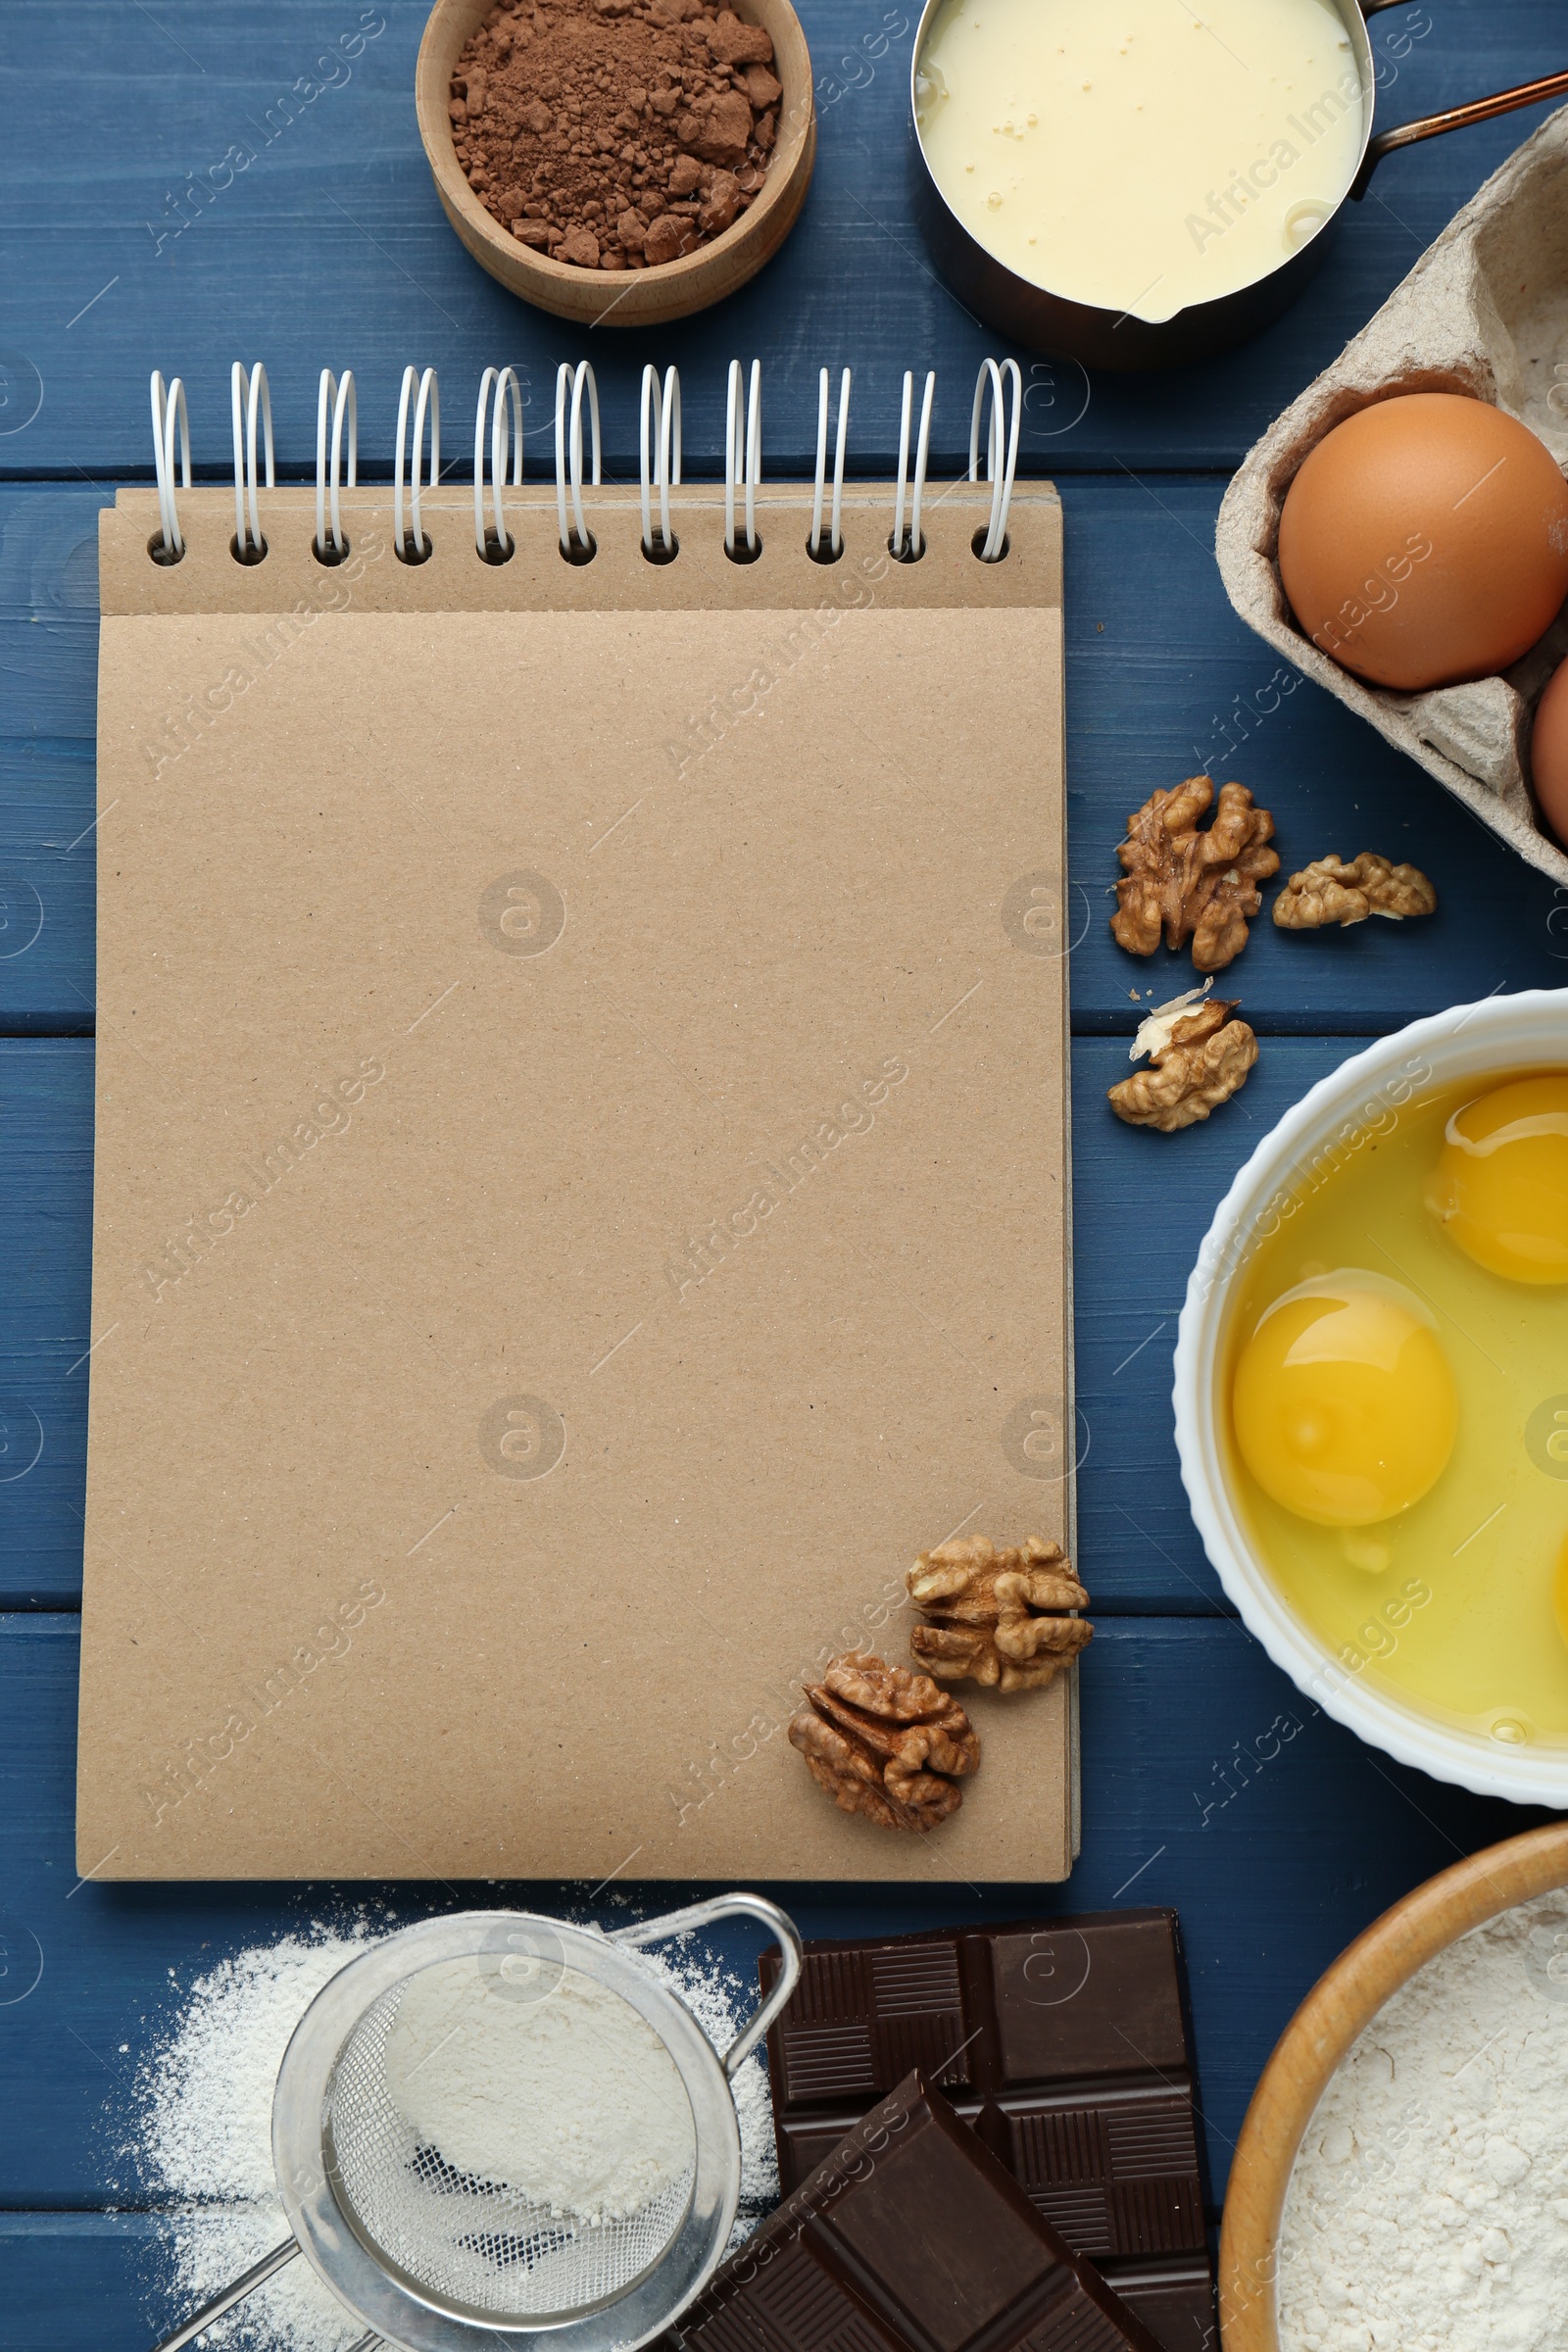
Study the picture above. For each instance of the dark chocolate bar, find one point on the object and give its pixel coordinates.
(1173, 2294)
(910, 2237)
(1063, 2042)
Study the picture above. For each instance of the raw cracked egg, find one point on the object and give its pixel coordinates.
(1501, 1185)
(1425, 541)
(1343, 1404)
(1394, 1433)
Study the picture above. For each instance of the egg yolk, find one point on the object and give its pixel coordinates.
(1559, 1590)
(1501, 1185)
(1343, 1404)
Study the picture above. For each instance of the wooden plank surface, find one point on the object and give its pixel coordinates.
(329, 248)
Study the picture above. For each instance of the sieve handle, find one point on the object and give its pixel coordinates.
(236, 2292)
(729, 1907)
(200, 2319)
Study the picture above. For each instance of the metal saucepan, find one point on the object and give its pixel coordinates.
(1040, 321)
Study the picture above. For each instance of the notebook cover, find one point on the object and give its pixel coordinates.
(581, 1189)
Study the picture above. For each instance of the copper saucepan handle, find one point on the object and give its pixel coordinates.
(1454, 118)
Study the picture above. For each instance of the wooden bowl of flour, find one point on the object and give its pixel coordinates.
(1321, 2036)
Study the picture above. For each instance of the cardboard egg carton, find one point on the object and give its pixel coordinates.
(1484, 312)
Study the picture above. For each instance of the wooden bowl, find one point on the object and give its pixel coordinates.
(1340, 2006)
(624, 297)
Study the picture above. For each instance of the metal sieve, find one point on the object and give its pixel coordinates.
(478, 2246)
(425, 2253)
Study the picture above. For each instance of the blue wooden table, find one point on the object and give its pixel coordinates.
(135, 237)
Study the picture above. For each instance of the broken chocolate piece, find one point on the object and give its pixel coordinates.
(1173, 2295)
(1064, 2042)
(909, 2238)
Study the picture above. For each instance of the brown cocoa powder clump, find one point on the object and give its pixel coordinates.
(615, 135)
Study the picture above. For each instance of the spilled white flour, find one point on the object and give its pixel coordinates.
(568, 2095)
(1428, 2206)
(201, 2133)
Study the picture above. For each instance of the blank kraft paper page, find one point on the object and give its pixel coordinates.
(581, 1188)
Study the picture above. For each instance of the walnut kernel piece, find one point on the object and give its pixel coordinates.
(997, 1617)
(1195, 885)
(1159, 1026)
(885, 1742)
(1329, 891)
(1204, 1057)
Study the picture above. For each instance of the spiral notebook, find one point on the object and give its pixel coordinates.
(581, 1190)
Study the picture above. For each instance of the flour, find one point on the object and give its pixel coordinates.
(201, 2147)
(556, 2086)
(1428, 2206)
(203, 2141)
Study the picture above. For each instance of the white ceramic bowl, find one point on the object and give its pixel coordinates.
(1330, 1123)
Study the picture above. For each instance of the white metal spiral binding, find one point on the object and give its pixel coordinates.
(999, 471)
(252, 410)
(569, 454)
(910, 549)
(429, 398)
(835, 534)
(661, 447)
(169, 410)
(340, 400)
(506, 449)
(251, 400)
(743, 455)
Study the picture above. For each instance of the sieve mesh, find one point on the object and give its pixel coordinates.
(472, 2244)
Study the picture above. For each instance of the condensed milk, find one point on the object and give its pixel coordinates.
(1140, 155)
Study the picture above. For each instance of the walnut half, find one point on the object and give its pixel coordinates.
(997, 1617)
(885, 1742)
(1330, 892)
(1199, 1060)
(1195, 885)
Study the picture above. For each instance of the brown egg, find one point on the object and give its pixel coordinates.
(1425, 540)
(1548, 752)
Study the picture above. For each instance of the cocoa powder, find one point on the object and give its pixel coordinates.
(615, 135)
